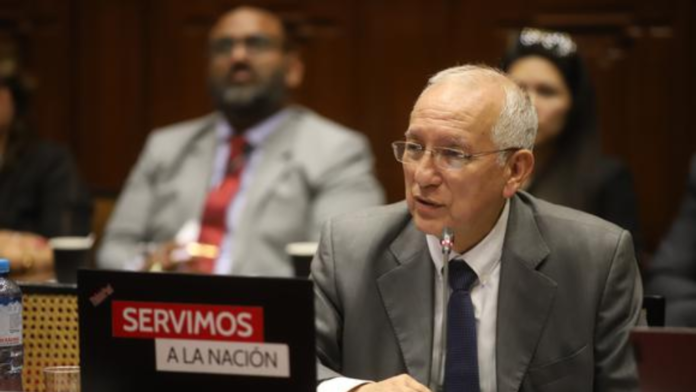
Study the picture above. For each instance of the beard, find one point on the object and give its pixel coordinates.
(256, 99)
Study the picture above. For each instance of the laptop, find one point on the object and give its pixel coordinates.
(665, 358)
(180, 332)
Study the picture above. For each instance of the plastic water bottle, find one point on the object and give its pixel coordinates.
(11, 349)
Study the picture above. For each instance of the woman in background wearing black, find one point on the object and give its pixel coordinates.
(41, 194)
(570, 168)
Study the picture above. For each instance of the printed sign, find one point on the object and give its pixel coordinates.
(195, 356)
(147, 320)
(144, 332)
(201, 338)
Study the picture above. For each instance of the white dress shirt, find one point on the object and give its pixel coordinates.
(484, 259)
(254, 137)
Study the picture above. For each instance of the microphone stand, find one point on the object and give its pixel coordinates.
(437, 375)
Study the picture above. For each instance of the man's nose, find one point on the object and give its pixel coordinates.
(239, 52)
(426, 171)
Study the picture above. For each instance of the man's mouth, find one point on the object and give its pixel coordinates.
(241, 76)
(428, 202)
(240, 73)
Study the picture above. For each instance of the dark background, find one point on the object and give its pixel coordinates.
(108, 71)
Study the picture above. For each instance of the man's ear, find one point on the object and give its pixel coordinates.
(518, 169)
(294, 73)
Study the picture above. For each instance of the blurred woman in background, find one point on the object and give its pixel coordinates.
(570, 168)
(41, 194)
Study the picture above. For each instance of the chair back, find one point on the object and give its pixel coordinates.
(654, 310)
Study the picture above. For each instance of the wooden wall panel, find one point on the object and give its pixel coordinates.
(674, 141)
(39, 34)
(177, 52)
(50, 56)
(111, 70)
(327, 49)
(650, 132)
(398, 48)
(110, 88)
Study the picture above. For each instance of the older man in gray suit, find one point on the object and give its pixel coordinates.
(247, 180)
(541, 297)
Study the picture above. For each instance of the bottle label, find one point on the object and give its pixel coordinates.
(11, 324)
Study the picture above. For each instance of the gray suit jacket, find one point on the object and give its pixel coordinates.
(310, 169)
(570, 292)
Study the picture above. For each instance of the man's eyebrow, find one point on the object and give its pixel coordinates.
(457, 141)
(451, 141)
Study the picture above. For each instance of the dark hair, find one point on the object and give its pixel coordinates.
(20, 135)
(561, 51)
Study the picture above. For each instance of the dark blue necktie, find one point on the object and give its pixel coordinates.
(461, 366)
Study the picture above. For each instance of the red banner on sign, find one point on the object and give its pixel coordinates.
(145, 320)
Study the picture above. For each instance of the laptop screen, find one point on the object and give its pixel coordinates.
(142, 331)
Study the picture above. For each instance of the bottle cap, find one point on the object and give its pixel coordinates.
(4, 266)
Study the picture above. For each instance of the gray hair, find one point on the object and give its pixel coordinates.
(516, 126)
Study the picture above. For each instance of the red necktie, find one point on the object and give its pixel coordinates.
(214, 222)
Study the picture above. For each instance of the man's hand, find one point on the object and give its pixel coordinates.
(26, 251)
(400, 383)
(173, 256)
(160, 259)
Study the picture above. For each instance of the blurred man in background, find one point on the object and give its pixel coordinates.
(225, 193)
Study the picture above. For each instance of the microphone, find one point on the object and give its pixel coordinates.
(447, 241)
(437, 375)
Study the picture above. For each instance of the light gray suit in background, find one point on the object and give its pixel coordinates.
(310, 169)
(570, 292)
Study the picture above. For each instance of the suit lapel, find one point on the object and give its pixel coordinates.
(407, 294)
(525, 297)
(276, 153)
(193, 189)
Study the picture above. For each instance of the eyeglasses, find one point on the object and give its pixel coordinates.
(254, 44)
(444, 158)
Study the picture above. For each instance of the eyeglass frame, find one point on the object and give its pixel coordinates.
(254, 44)
(462, 157)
